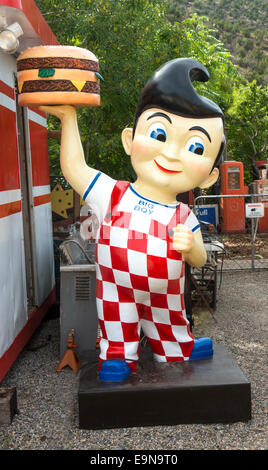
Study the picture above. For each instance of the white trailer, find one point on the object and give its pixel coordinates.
(27, 280)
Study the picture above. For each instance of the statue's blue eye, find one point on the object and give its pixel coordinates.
(195, 145)
(197, 148)
(158, 132)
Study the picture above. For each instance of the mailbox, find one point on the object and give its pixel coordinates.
(232, 210)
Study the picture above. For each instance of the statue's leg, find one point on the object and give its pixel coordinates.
(168, 331)
(119, 343)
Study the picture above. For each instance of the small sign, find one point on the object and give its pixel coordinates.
(208, 213)
(255, 209)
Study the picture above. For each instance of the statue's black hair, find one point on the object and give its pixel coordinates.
(170, 88)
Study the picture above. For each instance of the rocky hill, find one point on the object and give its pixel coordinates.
(241, 25)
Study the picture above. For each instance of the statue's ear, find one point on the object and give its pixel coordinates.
(126, 137)
(211, 179)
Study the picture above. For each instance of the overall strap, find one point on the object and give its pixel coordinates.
(180, 216)
(118, 192)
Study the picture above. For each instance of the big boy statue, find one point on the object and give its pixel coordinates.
(144, 235)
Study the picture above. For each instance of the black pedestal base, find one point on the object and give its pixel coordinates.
(204, 391)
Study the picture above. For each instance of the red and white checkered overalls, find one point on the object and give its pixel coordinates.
(140, 280)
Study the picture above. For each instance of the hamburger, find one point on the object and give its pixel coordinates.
(50, 75)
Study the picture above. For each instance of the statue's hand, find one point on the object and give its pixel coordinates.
(60, 111)
(182, 239)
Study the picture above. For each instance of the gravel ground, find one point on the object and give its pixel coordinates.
(47, 400)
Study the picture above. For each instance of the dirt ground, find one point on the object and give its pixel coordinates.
(239, 244)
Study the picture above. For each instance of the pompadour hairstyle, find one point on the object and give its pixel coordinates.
(170, 88)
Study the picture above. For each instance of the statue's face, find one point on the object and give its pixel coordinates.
(174, 152)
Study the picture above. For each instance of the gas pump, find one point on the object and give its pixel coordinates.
(232, 210)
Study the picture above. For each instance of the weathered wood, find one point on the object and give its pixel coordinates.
(8, 404)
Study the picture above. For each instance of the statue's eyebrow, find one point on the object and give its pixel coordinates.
(160, 115)
(201, 129)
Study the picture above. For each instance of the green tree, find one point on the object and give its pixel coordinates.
(247, 123)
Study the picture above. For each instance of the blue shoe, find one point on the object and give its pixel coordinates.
(203, 348)
(115, 370)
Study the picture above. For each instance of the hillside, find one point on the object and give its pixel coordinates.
(241, 25)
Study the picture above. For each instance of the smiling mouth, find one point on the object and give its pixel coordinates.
(165, 169)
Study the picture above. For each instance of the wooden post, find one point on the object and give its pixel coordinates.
(8, 404)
